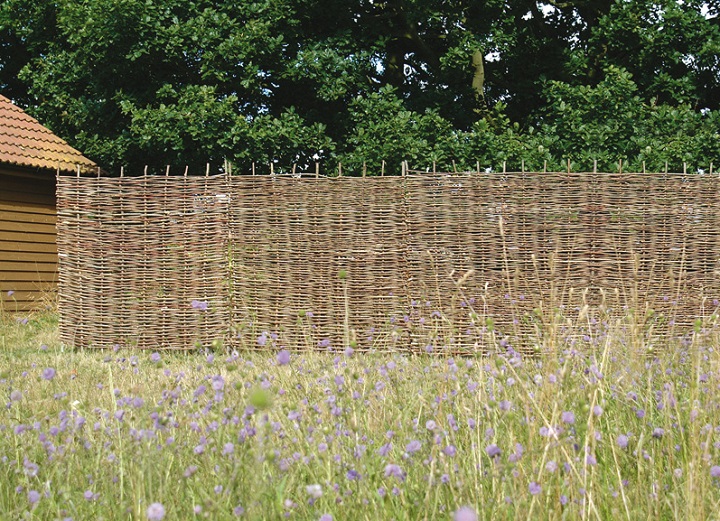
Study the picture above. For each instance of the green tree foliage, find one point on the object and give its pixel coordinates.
(185, 82)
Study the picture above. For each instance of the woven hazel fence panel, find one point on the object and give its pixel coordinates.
(143, 261)
(425, 262)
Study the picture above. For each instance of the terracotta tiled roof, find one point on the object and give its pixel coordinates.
(25, 142)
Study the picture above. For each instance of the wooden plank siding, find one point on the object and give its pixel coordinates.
(28, 250)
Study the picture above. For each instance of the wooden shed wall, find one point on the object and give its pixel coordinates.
(28, 250)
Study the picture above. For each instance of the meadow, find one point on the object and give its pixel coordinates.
(607, 426)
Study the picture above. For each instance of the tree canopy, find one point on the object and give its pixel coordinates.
(185, 82)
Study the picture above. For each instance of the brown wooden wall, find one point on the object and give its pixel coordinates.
(28, 251)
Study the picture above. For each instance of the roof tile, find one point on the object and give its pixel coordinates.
(25, 142)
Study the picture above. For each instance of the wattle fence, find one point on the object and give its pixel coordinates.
(441, 262)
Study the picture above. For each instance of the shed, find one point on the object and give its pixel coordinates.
(30, 157)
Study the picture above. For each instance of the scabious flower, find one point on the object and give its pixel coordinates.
(658, 432)
(314, 491)
(465, 514)
(622, 441)
(395, 471)
(283, 357)
(568, 417)
(16, 396)
(156, 512)
(412, 447)
(493, 450)
(33, 496)
(155, 357)
(217, 383)
(534, 488)
(326, 517)
(48, 373)
(715, 471)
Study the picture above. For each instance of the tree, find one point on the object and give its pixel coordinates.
(185, 82)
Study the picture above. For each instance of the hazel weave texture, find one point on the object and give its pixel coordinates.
(441, 262)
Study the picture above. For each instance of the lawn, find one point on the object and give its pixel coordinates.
(608, 427)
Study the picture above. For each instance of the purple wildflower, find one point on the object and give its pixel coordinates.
(33, 496)
(238, 511)
(314, 491)
(218, 383)
(326, 517)
(200, 305)
(493, 450)
(16, 396)
(395, 471)
(568, 417)
(155, 512)
(658, 432)
(48, 374)
(534, 488)
(465, 514)
(412, 447)
(715, 471)
(283, 357)
(622, 441)
(155, 357)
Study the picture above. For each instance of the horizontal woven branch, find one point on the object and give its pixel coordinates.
(416, 262)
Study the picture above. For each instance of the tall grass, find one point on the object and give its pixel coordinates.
(598, 428)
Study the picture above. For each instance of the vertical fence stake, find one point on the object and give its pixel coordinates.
(293, 169)
(122, 171)
(454, 167)
(666, 167)
(167, 170)
(504, 167)
(253, 168)
(272, 168)
(339, 169)
(568, 165)
(207, 169)
(382, 168)
(145, 171)
(594, 166)
(684, 168)
(620, 167)
(317, 170)
(364, 169)
(434, 167)
(643, 164)
(711, 167)
(545, 167)
(186, 171)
